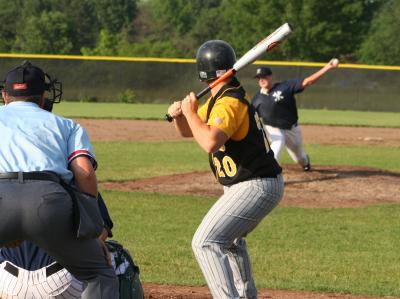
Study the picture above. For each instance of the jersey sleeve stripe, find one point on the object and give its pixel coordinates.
(78, 153)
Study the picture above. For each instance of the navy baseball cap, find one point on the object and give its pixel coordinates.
(263, 72)
(25, 80)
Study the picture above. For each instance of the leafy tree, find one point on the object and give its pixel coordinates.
(31, 8)
(106, 46)
(333, 28)
(382, 44)
(183, 24)
(182, 14)
(205, 28)
(77, 26)
(113, 15)
(8, 24)
(83, 22)
(48, 33)
(247, 21)
(149, 48)
(322, 28)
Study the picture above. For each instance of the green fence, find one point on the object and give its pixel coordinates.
(349, 87)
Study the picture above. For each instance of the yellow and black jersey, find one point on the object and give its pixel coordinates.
(246, 154)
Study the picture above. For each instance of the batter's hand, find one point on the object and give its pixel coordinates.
(174, 110)
(190, 104)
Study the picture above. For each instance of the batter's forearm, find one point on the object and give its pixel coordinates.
(182, 126)
(208, 137)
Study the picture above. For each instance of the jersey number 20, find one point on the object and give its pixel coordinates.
(226, 168)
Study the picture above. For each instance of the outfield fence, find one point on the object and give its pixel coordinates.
(84, 78)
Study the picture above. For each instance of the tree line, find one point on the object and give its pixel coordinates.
(356, 31)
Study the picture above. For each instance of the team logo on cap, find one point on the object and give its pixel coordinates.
(20, 86)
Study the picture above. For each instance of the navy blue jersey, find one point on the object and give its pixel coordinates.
(278, 108)
(27, 256)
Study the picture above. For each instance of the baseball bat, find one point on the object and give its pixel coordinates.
(265, 45)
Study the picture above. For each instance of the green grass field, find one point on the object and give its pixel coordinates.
(335, 250)
(340, 250)
(157, 111)
(150, 159)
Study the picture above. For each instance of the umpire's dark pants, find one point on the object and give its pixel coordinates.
(41, 212)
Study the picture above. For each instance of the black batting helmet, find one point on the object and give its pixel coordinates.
(214, 58)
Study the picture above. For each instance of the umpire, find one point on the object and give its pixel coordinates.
(38, 151)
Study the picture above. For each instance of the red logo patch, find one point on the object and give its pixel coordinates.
(20, 86)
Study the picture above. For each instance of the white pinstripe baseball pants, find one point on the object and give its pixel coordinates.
(35, 284)
(219, 245)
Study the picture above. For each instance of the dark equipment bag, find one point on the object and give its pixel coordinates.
(127, 271)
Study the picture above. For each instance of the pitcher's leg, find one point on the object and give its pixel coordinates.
(294, 144)
(277, 139)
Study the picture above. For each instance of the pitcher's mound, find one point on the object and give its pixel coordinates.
(324, 186)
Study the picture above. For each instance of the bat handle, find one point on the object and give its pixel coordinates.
(169, 118)
(203, 92)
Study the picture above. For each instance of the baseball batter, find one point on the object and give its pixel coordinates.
(228, 128)
(41, 152)
(276, 104)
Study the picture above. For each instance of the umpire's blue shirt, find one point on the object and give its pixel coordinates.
(33, 139)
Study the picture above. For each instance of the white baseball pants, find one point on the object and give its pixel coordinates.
(219, 245)
(293, 141)
(35, 284)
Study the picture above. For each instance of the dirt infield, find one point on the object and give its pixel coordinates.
(155, 291)
(164, 131)
(324, 186)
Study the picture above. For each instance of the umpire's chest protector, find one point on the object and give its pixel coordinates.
(249, 158)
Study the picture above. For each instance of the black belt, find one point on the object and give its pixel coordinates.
(282, 126)
(50, 270)
(34, 175)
